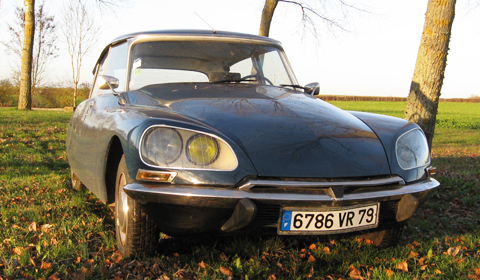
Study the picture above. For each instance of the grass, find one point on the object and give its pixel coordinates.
(51, 232)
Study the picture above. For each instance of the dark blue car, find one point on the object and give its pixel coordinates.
(194, 132)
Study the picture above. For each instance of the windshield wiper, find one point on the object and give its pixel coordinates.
(245, 79)
(294, 86)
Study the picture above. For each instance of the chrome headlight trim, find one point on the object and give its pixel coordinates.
(404, 150)
(226, 151)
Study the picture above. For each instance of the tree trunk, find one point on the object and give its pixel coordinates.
(25, 95)
(267, 15)
(75, 87)
(425, 90)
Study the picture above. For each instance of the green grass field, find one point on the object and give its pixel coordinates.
(51, 232)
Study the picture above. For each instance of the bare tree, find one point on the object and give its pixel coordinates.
(25, 94)
(310, 13)
(425, 89)
(80, 33)
(44, 48)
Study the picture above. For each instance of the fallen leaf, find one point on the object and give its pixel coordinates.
(313, 247)
(453, 251)
(412, 254)
(32, 226)
(311, 259)
(368, 242)
(272, 277)
(438, 271)
(18, 251)
(421, 261)
(403, 266)
(46, 228)
(45, 265)
(416, 244)
(389, 272)
(477, 270)
(202, 265)
(223, 256)
(117, 257)
(355, 273)
(226, 271)
(55, 276)
(5, 243)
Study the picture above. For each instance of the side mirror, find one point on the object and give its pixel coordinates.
(312, 88)
(108, 82)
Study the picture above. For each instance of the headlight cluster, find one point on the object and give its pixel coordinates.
(164, 146)
(412, 150)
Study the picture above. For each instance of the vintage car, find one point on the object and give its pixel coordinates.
(192, 132)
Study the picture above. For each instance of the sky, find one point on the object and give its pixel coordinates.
(374, 56)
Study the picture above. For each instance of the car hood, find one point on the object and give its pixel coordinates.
(285, 133)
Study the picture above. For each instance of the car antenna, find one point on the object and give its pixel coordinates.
(213, 30)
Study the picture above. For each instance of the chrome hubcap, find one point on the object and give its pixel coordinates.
(122, 210)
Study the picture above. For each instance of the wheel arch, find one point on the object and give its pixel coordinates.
(114, 155)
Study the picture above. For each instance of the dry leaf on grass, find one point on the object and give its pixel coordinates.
(117, 257)
(32, 226)
(18, 251)
(453, 251)
(311, 259)
(477, 270)
(355, 273)
(202, 265)
(45, 265)
(55, 276)
(403, 266)
(226, 271)
(313, 247)
(389, 272)
(412, 254)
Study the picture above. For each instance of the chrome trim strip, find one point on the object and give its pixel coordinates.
(302, 184)
(227, 198)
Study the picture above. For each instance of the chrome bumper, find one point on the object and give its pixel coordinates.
(218, 197)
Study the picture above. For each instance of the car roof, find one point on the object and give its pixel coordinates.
(194, 32)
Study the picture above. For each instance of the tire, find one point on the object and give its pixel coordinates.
(384, 237)
(76, 183)
(136, 233)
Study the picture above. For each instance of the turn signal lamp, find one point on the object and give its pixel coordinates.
(155, 176)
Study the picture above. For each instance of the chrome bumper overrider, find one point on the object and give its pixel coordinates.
(221, 197)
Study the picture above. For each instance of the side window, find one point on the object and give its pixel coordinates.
(115, 65)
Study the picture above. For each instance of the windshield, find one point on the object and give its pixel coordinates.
(165, 62)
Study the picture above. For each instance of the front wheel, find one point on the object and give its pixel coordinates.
(136, 232)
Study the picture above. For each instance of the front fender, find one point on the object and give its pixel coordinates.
(388, 129)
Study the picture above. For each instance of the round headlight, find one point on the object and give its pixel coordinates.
(162, 146)
(202, 149)
(412, 150)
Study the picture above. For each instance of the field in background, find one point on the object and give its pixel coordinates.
(49, 231)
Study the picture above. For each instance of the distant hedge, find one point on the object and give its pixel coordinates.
(44, 97)
(390, 98)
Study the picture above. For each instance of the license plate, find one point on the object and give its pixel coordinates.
(329, 220)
